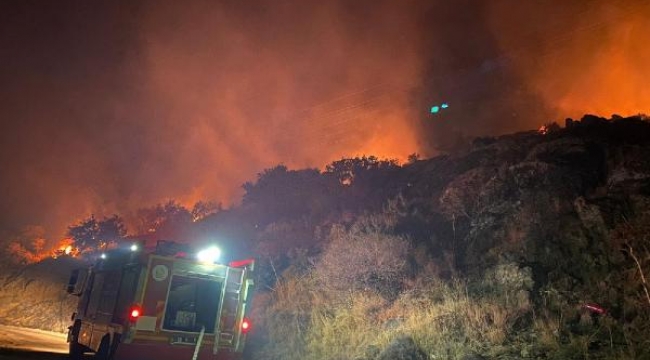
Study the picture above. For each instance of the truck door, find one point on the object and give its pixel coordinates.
(101, 306)
(126, 295)
(192, 303)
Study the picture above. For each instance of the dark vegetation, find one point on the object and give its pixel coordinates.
(527, 245)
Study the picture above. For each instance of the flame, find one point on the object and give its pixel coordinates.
(38, 250)
(64, 247)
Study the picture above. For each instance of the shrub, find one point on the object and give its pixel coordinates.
(367, 257)
(347, 332)
(283, 318)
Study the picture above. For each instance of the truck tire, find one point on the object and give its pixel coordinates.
(76, 350)
(104, 351)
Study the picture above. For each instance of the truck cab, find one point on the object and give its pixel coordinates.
(163, 304)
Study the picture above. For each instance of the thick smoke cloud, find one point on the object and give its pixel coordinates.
(585, 56)
(107, 107)
(514, 66)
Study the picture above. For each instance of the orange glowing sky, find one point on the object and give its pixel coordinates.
(597, 61)
(111, 107)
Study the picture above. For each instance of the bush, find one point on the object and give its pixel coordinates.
(367, 258)
(282, 317)
(362, 296)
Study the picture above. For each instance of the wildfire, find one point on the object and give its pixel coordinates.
(543, 130)
(65, 247)
(548, 128)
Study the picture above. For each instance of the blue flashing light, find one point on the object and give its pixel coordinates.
(437, 108)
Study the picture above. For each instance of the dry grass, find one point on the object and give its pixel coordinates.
(451, 323)
(348, 332)
(361, 296)
(34, 296)
(445, 321)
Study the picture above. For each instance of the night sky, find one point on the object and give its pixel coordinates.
(107, 106)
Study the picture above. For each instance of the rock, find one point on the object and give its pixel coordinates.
(473, 357)
(402, 348)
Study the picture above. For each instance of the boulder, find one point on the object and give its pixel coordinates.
(402, 348)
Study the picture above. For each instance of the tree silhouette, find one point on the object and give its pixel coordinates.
(170, 220)
(364, 182)
(90, 234)
(280, 193)
(348, 171)
(203, 209)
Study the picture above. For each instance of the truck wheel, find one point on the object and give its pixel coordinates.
(104, 351)
(76, 350)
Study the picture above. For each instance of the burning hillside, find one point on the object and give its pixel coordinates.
(528, 243)
(131, 112)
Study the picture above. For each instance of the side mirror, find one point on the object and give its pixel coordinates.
(73, 287)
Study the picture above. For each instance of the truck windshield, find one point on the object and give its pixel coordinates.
(192, 303)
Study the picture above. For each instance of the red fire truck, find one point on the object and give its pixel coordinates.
(168, 303)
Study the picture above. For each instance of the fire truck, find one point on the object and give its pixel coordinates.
(166, 303)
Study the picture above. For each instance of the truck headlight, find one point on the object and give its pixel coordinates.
(209, 255)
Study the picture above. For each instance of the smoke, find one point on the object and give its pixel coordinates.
(112, 107)
(581, 57)
(301, 83)
(523, 64)
(249, 85)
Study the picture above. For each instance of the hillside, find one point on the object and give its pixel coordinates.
(529, 245)
(33, 296)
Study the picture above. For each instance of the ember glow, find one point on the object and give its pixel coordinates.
(110, 108)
